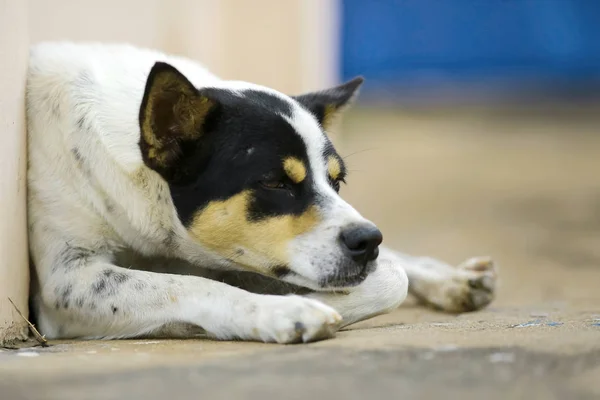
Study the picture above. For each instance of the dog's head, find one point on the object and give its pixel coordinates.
(254, 178)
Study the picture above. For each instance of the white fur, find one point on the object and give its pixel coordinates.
(91, 196)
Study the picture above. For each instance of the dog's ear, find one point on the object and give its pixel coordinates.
(327, 104)
(172, 114)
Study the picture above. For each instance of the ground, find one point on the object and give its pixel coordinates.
(516, 183)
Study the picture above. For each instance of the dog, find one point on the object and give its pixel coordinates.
(166, 202)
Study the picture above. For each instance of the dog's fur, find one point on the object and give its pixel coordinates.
(163, 201)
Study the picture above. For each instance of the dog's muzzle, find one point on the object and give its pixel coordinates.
(360, 248)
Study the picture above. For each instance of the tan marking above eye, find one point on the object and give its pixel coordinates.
(294, 169)
(334, 167)
(225, 227)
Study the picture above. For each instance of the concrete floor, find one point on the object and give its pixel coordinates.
(519, 184)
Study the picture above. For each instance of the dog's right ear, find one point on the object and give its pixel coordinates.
(173, 112)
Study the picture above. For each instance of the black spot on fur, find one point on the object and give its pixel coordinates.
(281, 271)
(76, 154)
(99, 287)
(81, 123)
(115, 309)
(65, 295)
(116, 277)
(108, 282)
(79, 302)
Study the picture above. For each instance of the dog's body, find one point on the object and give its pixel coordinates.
(163, 200)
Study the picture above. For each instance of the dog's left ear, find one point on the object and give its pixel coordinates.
(327, 104)
(172, 113)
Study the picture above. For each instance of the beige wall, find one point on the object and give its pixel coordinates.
(14, 271)
(289, 45)
(286, 44)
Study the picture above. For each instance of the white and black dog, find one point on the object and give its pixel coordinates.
(163, 201)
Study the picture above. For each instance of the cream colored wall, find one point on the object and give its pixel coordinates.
(286, 44)
(289, 45)
(14, 271)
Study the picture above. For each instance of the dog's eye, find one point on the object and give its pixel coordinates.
(273, 184)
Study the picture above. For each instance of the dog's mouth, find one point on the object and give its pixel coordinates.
(336, 282)
(347, 277)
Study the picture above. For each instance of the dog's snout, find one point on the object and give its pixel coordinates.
(361, 242)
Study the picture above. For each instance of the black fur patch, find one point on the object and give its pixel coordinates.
(268, 102)
(108, 281)
(220, 165)
(65, 296)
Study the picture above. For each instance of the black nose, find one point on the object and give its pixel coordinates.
(361, 242)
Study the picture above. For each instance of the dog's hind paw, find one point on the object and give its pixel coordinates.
(471, 286)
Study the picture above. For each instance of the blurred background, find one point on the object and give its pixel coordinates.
(477, 130)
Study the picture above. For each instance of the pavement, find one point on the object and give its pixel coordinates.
(517, 183)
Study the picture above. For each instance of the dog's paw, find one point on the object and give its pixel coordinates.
(470, 287)
(294, 319)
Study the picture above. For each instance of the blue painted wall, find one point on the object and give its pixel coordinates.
(425, 43)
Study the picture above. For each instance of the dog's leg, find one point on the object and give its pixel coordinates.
(465, 288)
(468, 287)
(91, 298)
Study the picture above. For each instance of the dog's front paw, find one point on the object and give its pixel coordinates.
(294, 319)
(471, 287)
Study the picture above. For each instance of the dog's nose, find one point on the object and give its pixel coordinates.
(361, 242)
